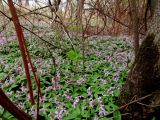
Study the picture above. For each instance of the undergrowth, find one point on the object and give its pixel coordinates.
(81, 93)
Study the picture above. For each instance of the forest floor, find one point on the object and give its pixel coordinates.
(87, 86)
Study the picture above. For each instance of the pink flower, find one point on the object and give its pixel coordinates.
(76, 101)
(102, 110)
(43, 99)
(106, 72)
(80, 81)
(34, 113)
(67, 96)
(56, 87)
(58, 76)
(23, 88)
(91, 103)
(102, 80)
(99, 100)
(37, 61)
(89, 92)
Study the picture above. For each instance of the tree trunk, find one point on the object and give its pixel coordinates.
(80, 9)
(1, 4)
(20, 2)
(27, 3)
(134, 19)
(144, 77)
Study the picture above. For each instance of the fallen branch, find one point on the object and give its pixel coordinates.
(10, 107)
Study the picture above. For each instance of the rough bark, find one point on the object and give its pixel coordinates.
(144, 76)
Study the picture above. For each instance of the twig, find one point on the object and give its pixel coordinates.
(125, 114)
(41, 38)
(144, 97)
(152, 106)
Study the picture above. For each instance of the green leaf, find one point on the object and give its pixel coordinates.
(72, 55)
(2, 75)
(47, 105)
(77, 111)
(85, 95)
(7, 116)
(104, 118)
(116, 93)
(117, 115)
(71, 116)
(85, 113)
(13, 86)
(153, 118)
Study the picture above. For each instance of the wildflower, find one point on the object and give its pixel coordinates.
(110, 90)
(37, 61)
(110, 47)
(21, 105)
(9, 93)
(91, 103)
(76, 101)
(102, 80)
(80, 81)
(23, 88)
(40, 71)
(34, 113)
(102, 110)
(89, 92)
(18, 93)
(58, 76)
(60, 113)
(116, 78)
(106, 72)
(43, 99)
(56, 87)
(99, 100)
(96, 118)
(11, 80)
(67, 96)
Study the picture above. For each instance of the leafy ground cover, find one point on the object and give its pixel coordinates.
(79, 94)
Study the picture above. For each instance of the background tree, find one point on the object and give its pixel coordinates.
(134, 19)
(20, 2)
(27, 3)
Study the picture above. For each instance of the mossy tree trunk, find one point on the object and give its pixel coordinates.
(144, 76)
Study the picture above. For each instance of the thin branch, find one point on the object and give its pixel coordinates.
(135, 101)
